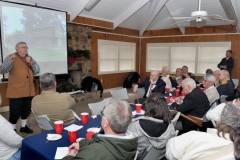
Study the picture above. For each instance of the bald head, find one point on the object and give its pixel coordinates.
(215, 73)
(154, 76)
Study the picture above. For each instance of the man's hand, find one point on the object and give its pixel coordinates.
(178, 100)
(29, 60)
(172, 100)
(12, 58)
(135, 88)
(73, 149)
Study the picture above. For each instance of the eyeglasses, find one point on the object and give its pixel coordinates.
(23, 47)
(101, 112)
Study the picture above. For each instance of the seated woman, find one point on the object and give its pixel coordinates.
(222, 143)
(155, 127)
(208, 72)
(10, 141)
(210, 90)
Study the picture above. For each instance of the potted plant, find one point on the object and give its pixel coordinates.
(78, 53)
(67, 87)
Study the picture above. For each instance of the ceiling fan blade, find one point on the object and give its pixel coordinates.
(181, 17)
(213, 16)
(225, 20)
(182, 21)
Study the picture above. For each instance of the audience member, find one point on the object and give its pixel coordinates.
(21, 69)
(210, 90)
(216, 73)
(151, 84)
(155, 127)
(227, 63)
(116, 143)
(226, 86)
(195, 103)
(208, 72)
(215, 113)
(221, 143)
(179, 76)
(57, 106)
(187, 74)
(10, 141)
(170, 82)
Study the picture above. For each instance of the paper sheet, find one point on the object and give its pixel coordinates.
(61, 152)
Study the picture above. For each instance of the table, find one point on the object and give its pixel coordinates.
(37, 148)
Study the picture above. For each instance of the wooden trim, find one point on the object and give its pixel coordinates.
(115, 34)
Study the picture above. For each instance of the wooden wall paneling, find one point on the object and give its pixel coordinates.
(118, 30)
(111, 80)
(3, 91)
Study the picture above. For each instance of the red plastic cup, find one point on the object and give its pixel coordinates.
(183, 94)
(58, 127)
(178, 87)
(199, 87)
(167, 89)
(177, 92)
(138, 108)
(84, 117)
(72, 134)
(167, 99)
(202, 89)
(89, 135)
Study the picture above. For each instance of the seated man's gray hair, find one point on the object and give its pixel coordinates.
(189, 82)
(47, 81)
(210, 78)
(119, 115)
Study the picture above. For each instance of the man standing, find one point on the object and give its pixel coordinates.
(57, 106)
(115, 144)
(170, 82)
(227, 63)
(151, 84)
(20, 90)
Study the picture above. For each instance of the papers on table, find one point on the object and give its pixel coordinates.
(61, 152)
(94, 116)
(73, 127)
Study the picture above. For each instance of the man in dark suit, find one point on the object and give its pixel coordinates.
(195, 103)
(170, 82)
(226, 86)
(186, 74)
(151, 84)
(227, 63)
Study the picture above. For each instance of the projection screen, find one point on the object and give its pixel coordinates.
(44, 31)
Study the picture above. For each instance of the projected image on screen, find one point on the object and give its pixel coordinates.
(43, 30)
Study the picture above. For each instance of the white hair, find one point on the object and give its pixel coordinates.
(155, 73)
(165, 67)
(224, 72)
(189, 82)
(210, 78)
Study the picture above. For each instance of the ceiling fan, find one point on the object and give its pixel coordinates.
(199, 18)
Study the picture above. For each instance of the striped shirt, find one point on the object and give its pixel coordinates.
(7, 66)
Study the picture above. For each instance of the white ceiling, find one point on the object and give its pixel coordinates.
(140, 14)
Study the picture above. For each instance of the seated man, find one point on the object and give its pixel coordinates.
(10, 141)
(179, 76)
(116, 143)
(210, 90)
(221, 143)
(226, 86)
(170, 82)
(208, 72)
(151, 84)
(51, 103)
(195, 104)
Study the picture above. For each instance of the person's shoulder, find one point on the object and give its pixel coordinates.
(172, 77)
(191, 74)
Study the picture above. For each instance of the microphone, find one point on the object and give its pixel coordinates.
(26, 54)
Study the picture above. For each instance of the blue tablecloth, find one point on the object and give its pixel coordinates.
(37, 148)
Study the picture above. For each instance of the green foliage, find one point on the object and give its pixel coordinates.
(78, 53)
(67, 87)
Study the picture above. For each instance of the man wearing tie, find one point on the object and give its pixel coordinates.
(20, 89)
(227, 63)
(151, 84)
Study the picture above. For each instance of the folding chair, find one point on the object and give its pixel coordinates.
(44, 122)
(140, 92)
(175, 119)
(97, 107)
(223, 98)
(120, 94)
(235, 82)
(75, 115)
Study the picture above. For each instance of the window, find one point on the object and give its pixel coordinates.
(197, 56)
(116, 57)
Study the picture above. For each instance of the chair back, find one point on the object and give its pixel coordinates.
(75, 115)
(213, 105)
(152, 153)
(44, 122)
(120, 94)
(96, 108)
(175, 119)
(235, 82)
(223, 98)
(140, 92)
